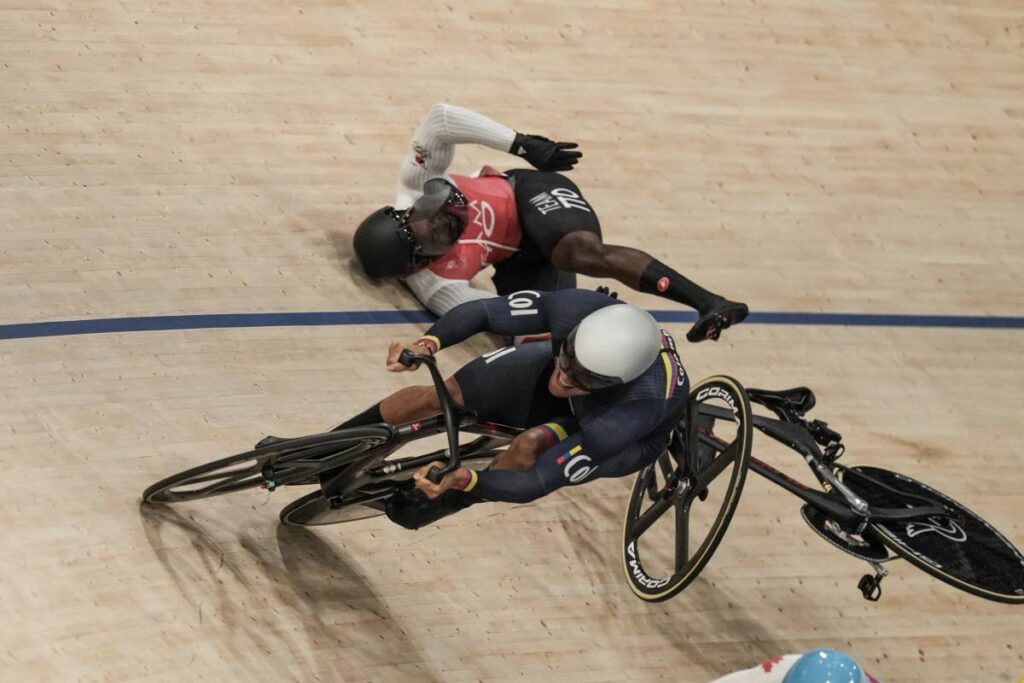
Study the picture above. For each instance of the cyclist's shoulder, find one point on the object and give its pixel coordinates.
(610, 427)
(637, 401)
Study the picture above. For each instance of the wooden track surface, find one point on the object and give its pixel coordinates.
(211, 157)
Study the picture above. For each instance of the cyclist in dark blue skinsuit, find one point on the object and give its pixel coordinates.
(600, 399)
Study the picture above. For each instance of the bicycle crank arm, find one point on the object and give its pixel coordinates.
(906, 514)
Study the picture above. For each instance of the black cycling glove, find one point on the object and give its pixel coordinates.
(544, 154)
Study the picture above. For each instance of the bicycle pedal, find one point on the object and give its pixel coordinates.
(870, 587)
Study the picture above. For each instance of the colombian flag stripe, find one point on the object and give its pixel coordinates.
(555, 432)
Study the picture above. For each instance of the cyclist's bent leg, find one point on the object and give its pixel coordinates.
(499, 388)
(586, 254)
(416, 403)
(509, 386)
(560, 224)
(405, 405)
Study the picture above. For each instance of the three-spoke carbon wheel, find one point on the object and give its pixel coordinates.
(682, 504)
(294, 461)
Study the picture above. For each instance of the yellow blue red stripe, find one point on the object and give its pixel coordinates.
(572, 451)
(554, 431)
(672, 367)
(668, 374)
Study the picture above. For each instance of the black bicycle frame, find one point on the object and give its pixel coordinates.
(838, 501)
(374, 467)
(452, 420)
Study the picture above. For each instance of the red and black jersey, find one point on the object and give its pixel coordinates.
(493, 233)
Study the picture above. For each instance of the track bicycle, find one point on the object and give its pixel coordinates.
(874, 514)
(864, 511)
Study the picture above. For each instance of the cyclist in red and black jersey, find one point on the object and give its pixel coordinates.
(534, 226)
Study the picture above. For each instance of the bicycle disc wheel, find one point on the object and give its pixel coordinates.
(315, 510)
(960, 549)
(681, 504)
(289, 462)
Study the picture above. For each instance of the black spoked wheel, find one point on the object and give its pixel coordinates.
(293, 461)
(681, 505)
(958, 548)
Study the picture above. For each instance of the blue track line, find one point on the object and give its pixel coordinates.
(235, 320)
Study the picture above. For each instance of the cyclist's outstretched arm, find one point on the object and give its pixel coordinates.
(520, 313)
(566, 463)
(440, 295)
(433, 146)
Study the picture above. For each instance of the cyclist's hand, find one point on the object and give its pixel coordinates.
(395, 350)
(454, 479)
(544, 154)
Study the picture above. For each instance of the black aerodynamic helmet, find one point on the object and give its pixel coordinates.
(385, 246)
(393, 243)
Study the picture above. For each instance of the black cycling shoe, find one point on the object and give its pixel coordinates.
(715, 318)
(410, 508)
(269, 441)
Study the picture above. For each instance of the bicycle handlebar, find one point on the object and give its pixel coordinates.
(410, 359)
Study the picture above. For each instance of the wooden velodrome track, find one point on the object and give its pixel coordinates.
(183, 158)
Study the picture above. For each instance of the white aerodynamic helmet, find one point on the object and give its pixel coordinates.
(611, 346)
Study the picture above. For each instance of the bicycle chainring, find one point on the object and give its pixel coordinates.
(867, 548)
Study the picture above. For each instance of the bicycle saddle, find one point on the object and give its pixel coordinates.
(798, 400)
